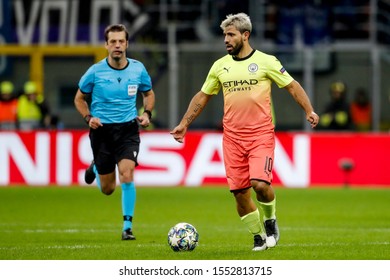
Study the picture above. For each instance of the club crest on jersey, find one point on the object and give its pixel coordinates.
(253, 67)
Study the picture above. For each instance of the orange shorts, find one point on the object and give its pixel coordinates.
(247, 160)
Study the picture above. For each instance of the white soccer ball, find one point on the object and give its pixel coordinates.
(183, 237)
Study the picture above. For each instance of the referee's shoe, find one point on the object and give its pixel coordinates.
(128, 234)
(89, 175)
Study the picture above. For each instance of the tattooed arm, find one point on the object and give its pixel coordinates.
(196, 106)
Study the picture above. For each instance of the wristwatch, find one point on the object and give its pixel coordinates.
(149, 114)
(87, 118)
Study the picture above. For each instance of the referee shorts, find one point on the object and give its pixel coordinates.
(113, 142)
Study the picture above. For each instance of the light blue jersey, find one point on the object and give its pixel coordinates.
(113, 91)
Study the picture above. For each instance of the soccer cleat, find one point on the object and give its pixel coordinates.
(270, 241)
(272, 231)
(128, 235)
(89, 175)
(259, 243)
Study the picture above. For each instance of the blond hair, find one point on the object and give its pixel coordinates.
(240, 21)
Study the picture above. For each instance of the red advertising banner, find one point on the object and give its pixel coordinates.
(301, 159)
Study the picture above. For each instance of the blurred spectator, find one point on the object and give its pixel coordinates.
(361, 111)
(33, 112)
(337, 115)
(351, 19)
(308, 21)
(226, 7)
(8, 106)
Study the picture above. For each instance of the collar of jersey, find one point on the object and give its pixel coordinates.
(117, 68)
(248, 56)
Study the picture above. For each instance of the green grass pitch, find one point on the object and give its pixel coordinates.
(80, 223)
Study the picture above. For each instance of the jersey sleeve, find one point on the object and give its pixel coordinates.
(146, 81)
(86, 82)
(212, 85)
(277, 73)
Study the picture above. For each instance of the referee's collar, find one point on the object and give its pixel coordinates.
(127, 64)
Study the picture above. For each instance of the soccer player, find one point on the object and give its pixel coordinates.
(245, 76)
(113, 84)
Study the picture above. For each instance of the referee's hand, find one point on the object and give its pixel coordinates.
(144, 120)
(94, 123)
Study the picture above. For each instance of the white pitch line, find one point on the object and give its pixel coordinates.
(334, 229)
(59, 230)
(332, 244)
(53, 247)
(307, 245)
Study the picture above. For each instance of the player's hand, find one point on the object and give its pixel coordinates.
(313, 119)
(178, 133)
(94, 123)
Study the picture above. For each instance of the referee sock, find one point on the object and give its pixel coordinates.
(269, 209)
(128, 204)
(253, 223)
(97, 177)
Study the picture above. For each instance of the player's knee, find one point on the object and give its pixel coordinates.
(264, 191)
(259, 186)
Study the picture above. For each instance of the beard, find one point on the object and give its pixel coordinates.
(236, 49)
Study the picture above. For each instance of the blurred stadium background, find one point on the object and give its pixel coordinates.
(53, 42)
(319, 42)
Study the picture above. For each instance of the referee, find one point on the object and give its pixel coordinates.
(113, 85)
